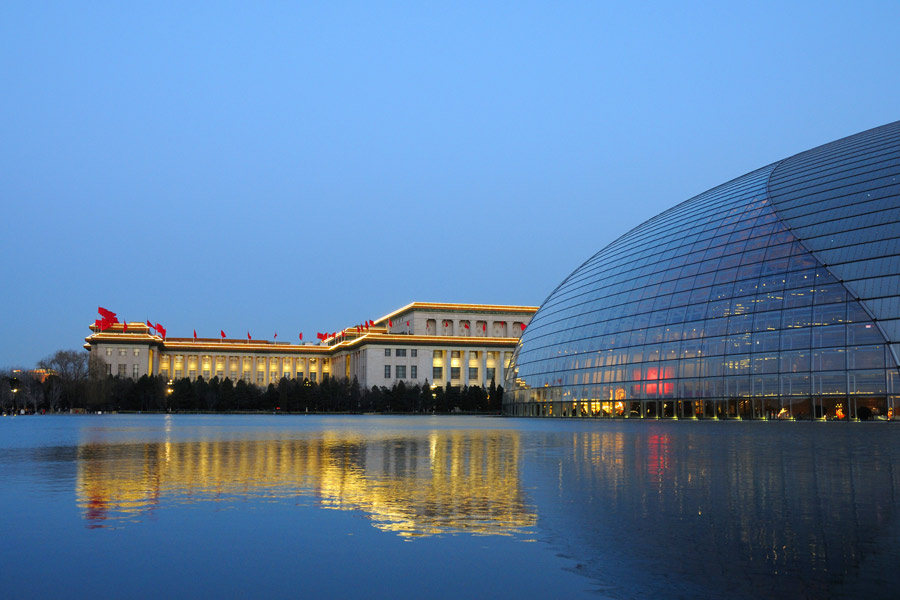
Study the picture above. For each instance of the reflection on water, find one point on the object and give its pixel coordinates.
(415, 484)
(693, 510)
(637, 510)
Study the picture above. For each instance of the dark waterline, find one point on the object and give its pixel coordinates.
(185, 505)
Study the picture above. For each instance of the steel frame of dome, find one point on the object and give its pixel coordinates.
(773, 296)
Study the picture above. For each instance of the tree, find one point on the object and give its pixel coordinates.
(72, 367)
(150, 393)
(304, 393)
(355, 395)
(375, 399)
(399, 397)
(203, 398)
(182, 397)
(95, 389)
(451, 398)
(426, 397)
(6, 394)
(270, 398)
(284, 394)
(226, 395)
(243, 397)
(211, 394)
(30, 394)
(440, 399)
(121, 394)
(53, 392)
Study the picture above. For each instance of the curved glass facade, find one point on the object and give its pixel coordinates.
(773, 296)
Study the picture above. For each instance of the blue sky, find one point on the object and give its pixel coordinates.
(304, 166)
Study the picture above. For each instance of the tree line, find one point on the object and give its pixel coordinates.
(76, 384)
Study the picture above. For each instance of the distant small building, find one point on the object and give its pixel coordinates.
(39, 374)
(443, 343)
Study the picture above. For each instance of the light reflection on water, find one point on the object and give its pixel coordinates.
(637, 510)
(412, 482)
(747, 509)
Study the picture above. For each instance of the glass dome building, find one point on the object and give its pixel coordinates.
(773, 296)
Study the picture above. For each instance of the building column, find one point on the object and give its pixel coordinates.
(447, 354)
(500, 369)
(465, 367)
(484, 382)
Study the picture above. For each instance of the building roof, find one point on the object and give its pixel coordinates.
(345, 339)
(459, 308)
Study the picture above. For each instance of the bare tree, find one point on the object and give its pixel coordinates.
(53, 391)
(31, 393)
(71, 367)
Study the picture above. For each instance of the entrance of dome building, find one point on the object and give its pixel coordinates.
(870, 407)
(684, 409)
(727, 409)
(831, 408)
(751, 408)
(842, 408)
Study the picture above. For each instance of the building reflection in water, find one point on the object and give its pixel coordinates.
(667, 510)
(422, 484)
(678, 510)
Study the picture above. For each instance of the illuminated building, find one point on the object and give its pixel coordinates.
(456, 344)
(773, 296)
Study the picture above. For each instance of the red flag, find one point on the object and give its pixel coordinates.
(161, 330)
(390, 323)
(222, 331)
(124, 326)
(248, 336)
(484, 326)
(150, 325)
(522, 325)
(97, 323)
(467, 325)
(276, 335)
(195, 335)
(108, 319)
(407, 323)
(301, 336)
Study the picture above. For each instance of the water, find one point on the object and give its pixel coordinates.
(446, 507)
